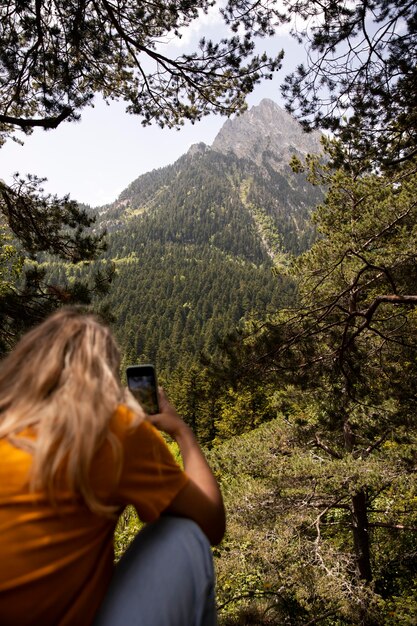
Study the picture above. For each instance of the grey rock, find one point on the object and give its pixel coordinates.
(198, 148)
(266, 134)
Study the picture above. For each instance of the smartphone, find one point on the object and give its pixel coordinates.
(141, 380)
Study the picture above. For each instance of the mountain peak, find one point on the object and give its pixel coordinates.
(266, 133)
(198, 148)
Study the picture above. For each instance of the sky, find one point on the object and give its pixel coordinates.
(95, 159)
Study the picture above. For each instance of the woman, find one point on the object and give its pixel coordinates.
(75, 448)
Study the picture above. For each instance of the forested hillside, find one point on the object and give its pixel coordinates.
(196, 247)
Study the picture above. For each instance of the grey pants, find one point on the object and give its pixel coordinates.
(165, 578)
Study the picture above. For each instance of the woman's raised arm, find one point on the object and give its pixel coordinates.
(201, 499)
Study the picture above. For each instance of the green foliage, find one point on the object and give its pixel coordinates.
(355, 326)
(343, 361)
(211, 198)
(38, 226)
(242, 409)
(360, 79)
(11, 262)
(54, 57)
(45, 223)
(126, 530)
(321, 501)
(288, 548)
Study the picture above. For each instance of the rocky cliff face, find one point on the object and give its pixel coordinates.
(266, 134)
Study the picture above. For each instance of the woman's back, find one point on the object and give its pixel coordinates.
(57, 560)
(55, 563)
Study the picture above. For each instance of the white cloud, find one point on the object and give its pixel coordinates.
(210, 20)
(213, 22)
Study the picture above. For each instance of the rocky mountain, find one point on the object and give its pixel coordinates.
(266, 134)
(198, 245)
(250, 157)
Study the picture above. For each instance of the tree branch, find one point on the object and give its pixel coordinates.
(319, 444)
(46, 122)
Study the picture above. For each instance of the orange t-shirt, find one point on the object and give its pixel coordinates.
(56, 563)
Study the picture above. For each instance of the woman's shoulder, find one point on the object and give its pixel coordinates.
(125, 423)
(124, 420)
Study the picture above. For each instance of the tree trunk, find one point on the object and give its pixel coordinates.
(361, 535)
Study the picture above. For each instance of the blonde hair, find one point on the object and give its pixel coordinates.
(62, 382)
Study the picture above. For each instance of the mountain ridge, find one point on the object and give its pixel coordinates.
(264, 128)
(241, 153)
(199, 245)
(265, 134)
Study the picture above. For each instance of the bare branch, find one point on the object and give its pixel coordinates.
(46, 122)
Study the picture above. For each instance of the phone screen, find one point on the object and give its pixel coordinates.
(141, 380)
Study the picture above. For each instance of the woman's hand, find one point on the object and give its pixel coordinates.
(168, 419)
